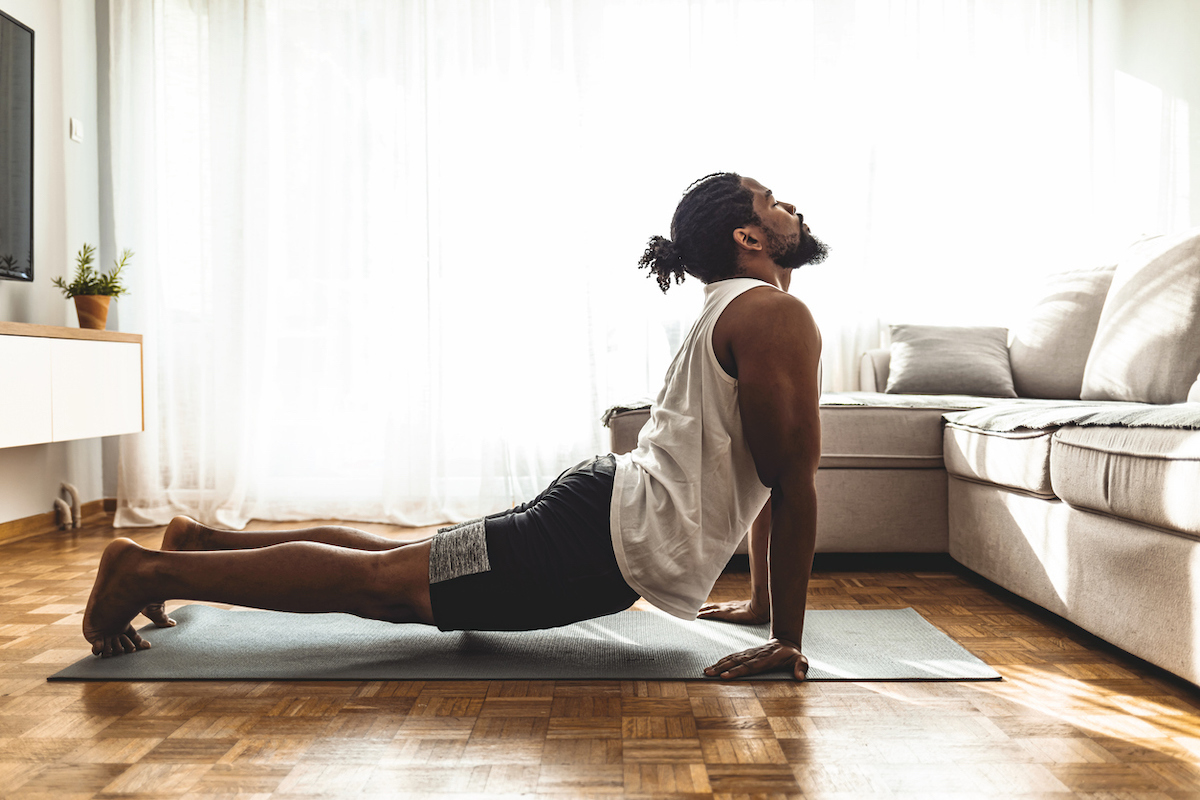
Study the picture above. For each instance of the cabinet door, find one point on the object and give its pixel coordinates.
(25, 389)
(97, 388)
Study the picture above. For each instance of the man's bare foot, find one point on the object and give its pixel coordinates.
(114, 602)
(183, 533)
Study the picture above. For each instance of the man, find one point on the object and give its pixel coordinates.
(735, 425)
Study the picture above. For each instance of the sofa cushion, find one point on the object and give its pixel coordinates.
(1147, 345)
(1014, 459)
(1146, 475)
(859, 437)
(1049, 348)
(931, 359)
(872, 430)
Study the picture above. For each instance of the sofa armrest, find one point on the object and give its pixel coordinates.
(873, 369)
(624, 427)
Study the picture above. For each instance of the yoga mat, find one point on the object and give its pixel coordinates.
(217, 644)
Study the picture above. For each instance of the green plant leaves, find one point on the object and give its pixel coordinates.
(88, 280)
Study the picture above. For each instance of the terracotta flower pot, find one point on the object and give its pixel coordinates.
(92, 310)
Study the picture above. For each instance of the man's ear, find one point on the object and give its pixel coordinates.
(746, 239)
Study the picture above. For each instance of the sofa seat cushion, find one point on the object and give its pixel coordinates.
(1013, 459)
(1146, 475)
(872, 430)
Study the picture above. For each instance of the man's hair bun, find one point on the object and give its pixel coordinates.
(663, 261)
(702, 229)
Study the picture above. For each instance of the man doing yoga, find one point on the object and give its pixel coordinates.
(732, 443)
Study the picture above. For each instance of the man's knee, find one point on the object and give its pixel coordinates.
(398, 590)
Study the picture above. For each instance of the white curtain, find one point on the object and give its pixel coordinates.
(386, 249)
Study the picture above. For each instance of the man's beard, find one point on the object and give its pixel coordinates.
(792, 252)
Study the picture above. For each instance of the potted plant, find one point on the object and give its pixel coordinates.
(92, 289)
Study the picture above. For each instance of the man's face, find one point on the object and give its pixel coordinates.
(787, 240)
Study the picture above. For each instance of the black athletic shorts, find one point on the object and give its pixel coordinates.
(545, 563)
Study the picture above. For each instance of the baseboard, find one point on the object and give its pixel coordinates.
(47, 523)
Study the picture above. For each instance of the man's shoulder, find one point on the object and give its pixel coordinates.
(767, 306)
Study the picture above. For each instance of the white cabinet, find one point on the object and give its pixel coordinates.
(26, 390)
(66, 383)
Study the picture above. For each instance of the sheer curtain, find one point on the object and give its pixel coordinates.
(386, 250)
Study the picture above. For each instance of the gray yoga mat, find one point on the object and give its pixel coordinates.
(217, 644)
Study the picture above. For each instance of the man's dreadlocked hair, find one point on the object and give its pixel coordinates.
(701, 242)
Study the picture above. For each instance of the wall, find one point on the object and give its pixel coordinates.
(66, 215)
(1159, 43)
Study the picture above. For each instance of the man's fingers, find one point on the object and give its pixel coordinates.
(720, 666)
(758, 662)
(729, 663)
(759, 659)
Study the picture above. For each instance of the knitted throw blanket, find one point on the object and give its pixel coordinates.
(1054, 414)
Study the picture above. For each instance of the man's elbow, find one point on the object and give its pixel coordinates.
(796, 476)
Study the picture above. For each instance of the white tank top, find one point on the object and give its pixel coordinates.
(685, 497)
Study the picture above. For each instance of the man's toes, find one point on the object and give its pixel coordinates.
(157, 613)
(136, 639)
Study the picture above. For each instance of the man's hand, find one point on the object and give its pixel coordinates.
(773, 656)
(742, 612)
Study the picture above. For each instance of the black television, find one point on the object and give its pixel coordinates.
(16, 150)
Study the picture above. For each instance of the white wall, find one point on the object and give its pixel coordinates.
(1159, 43)
(65, 195)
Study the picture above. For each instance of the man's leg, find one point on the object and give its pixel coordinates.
(185, 533)
(304, 576)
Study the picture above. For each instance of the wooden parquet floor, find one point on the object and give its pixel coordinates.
(1072, 719)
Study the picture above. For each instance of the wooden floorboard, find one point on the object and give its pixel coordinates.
(1073, 717)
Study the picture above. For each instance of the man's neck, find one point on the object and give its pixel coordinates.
(766, 270)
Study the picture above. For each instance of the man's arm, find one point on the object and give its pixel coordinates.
(776, 345)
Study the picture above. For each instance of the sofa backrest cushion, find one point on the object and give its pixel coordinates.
(930, 359)
(1147, 346)
(1049, 348)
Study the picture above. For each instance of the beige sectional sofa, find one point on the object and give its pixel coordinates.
(1079, 491)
